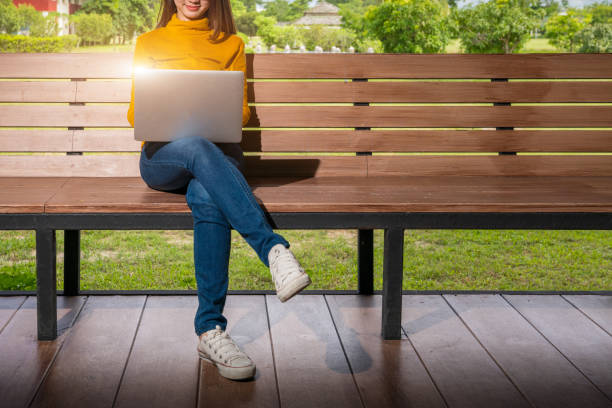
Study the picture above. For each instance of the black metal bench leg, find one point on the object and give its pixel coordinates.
(46, 294)
(72, 262)
(392, 284)
(365, 254)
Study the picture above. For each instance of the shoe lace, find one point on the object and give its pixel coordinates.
(220, 341)
(285, 265)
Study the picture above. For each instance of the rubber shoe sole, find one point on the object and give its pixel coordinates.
(294, 287)
(233, 373)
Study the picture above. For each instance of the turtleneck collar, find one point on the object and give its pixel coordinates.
(200, 24)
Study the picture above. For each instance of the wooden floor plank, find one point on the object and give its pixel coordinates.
(88, 368)
(584, 343)
(310, 363)
(23, 358)
(8, 307)
(543, 374)
(597, 307)
(247, 324)
(462, 369)
(162, 370)
(388, 372)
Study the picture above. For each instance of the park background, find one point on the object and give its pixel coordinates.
(433, 259)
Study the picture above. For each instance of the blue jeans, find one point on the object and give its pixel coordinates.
(220, 199)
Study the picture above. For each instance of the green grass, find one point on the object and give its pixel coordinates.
(433, 260)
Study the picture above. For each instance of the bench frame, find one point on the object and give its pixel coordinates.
(394, 224)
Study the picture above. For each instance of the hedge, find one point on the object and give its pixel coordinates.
(24, 43)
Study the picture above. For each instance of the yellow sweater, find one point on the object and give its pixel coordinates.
(185, 45)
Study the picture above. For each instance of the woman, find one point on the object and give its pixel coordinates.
(200, 34)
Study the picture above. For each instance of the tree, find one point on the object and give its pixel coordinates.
(129, 17)
(595, 38)
(10, 19)
(600, 12)
(561, 29)
(282, 10)
(352, 13)
(412, 26)
(497, 26)
(238, 8)
(93, 28)
(246, 23)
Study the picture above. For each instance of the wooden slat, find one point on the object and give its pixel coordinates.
(346, 91)
(128, 166)
(36, 140)
(327, 140)
(431, 116)
(118, 65)
(388, 373)
(358, 194)
(24, 358)
(70, 166)
(103, 91)
(597, 307)
(464, 372)
(543, 374)
(88, 368)
(162, 370)
(429, 66)
(8, 307)
(107, 140)
(334, 116)
(505, 165)
(26, 195)
(427, 141)
(37, 91)
(66, 65)
(584, 343)
(415, 92)
(311, 367)
(247, 324)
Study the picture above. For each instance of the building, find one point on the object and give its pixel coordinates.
(63, 7)
(321, 13)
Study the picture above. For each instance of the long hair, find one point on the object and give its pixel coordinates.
(219, 13)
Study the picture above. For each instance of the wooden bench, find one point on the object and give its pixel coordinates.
(359, 178)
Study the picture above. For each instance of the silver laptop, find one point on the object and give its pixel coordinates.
(173, 103)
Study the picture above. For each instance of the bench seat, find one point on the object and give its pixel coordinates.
(322, 194)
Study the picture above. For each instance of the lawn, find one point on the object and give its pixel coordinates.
(433, 260)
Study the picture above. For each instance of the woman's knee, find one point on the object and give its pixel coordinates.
(202, 205)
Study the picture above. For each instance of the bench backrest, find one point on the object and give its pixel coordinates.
(347, 114)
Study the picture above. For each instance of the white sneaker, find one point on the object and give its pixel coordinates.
(289, 277)
(217, 347)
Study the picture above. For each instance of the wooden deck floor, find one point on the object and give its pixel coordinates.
(314, 351)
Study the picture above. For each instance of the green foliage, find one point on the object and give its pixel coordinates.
(600, 12)
(282, 10)
(129, 17)
(595, 38)
(352, 13)
(24, 43)
(238, 8)
(37, 24)
(243, 36)
(327, 37)
(93, 28)
(561, 30)
(497, 26)
(10, 19)
(246, 23)
(410, 26)
(281, 36)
